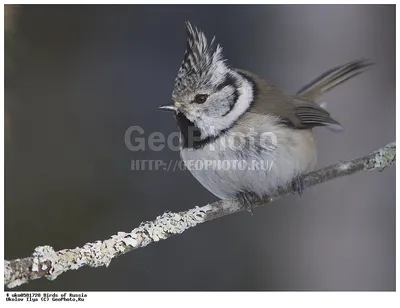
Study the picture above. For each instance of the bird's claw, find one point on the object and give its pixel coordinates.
(298, 185)
(246, 200)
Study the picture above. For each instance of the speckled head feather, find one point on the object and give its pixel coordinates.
(203, 64)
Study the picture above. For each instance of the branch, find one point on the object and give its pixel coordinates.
(46, 262)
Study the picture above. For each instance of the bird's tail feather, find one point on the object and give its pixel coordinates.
(333, 78)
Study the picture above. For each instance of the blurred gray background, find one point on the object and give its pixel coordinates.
(78, 76)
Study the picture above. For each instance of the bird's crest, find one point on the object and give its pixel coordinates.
(201, 62)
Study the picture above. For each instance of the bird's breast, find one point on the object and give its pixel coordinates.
(229, 165)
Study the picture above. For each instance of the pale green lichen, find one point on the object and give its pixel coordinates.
(384, 157)
(53, 263)
(43, 254)
(14, 275)
(167, 224)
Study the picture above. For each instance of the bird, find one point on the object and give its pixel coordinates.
(227, 115)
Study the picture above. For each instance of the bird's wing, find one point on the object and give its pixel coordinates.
(294, 111)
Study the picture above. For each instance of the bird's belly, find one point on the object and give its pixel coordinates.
(215, 172)
(226, 172)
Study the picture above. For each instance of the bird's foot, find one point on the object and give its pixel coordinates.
(298, 185)
(246, 199)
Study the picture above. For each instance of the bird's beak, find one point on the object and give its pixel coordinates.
(168, 108)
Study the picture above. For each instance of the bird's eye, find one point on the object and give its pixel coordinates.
(200, 98)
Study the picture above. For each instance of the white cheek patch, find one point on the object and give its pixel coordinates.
(220, 102)
(212, 126)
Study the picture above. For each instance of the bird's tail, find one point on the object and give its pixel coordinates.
(333, 78)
